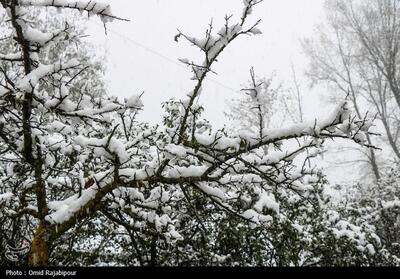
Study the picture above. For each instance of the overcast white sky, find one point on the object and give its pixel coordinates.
(143, 56)
(142, 53)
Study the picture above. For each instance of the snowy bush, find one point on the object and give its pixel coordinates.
(375, 204)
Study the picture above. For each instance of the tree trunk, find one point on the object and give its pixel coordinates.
(39, 253)
(391, 140)
(374, 165)
(153, 251)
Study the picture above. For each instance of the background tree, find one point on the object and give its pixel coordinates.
(258, 108)
(355, 53)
